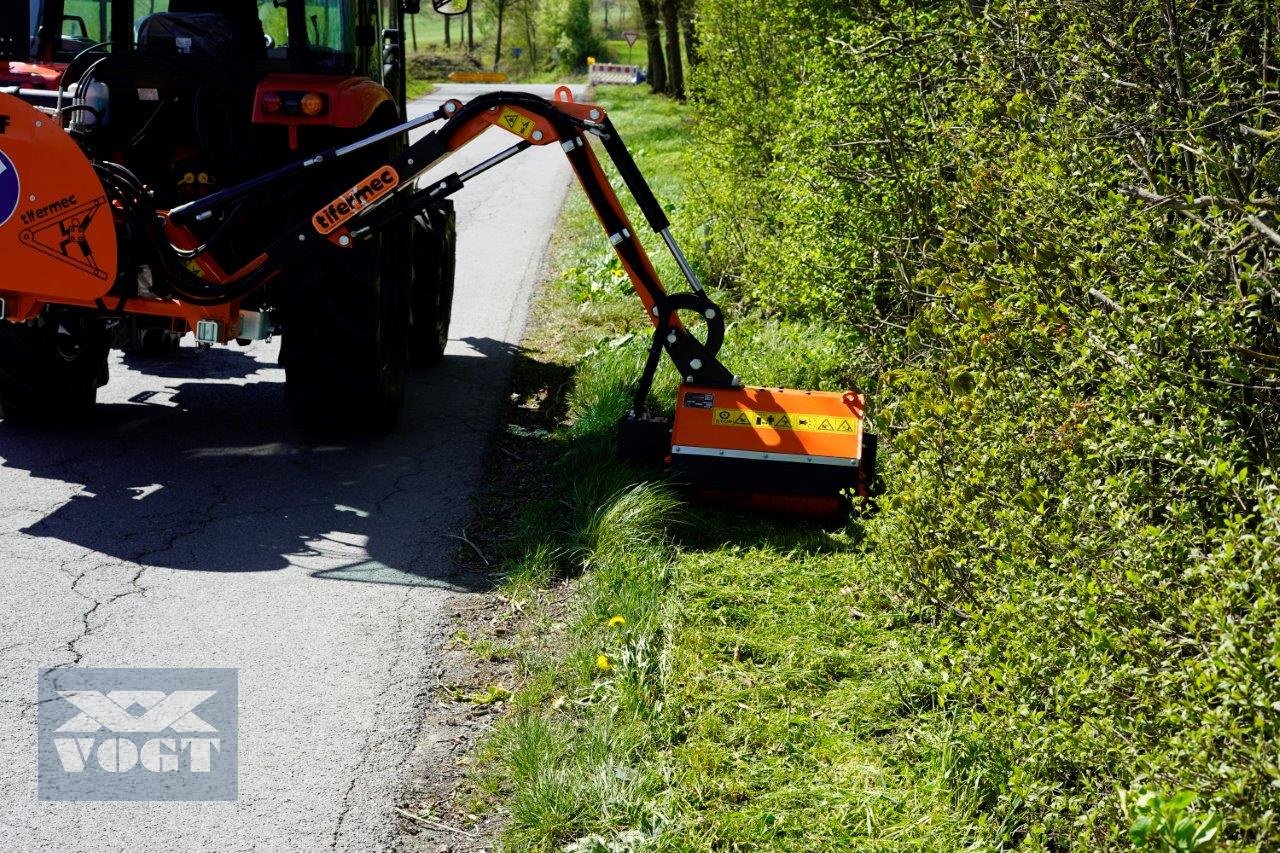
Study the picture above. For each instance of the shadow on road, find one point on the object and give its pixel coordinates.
(188, 363)
(213, 477)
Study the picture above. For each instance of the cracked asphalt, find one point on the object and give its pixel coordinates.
(189, 526)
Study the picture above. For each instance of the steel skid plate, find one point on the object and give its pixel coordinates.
(57, 236)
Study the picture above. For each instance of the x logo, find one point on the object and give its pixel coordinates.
(111, 711)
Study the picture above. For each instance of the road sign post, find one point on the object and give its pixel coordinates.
(631, 37)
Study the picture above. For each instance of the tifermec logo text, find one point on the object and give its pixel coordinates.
(330, 217)
(137, 734)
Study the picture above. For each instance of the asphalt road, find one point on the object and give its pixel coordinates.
(190, 526)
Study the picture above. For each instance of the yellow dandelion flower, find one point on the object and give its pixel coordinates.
(617, 622)
(602, 663)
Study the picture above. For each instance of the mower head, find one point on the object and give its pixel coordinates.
(776, 450)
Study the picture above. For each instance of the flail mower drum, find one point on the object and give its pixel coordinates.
(777, 450)
(773, 449)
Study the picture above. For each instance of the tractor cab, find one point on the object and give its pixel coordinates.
(195, 94)
(313, 35)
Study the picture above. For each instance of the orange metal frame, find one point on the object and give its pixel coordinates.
(61, 166)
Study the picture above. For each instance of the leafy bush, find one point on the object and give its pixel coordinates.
(578, 38)
(1052, 228)
(1166, 823)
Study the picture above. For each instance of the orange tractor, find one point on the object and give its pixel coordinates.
(234, 169)
(149, 104)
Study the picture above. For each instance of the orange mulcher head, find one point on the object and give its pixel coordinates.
(773, 449)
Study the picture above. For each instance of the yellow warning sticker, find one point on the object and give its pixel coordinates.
(516, 123)
(783, 421)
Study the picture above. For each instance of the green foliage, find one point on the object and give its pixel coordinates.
(1049, 228)
(1040, 235)
(1167, 824)
(578, 36)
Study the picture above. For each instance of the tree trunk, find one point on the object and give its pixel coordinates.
(471, 30)
(497, 50)
(530, 36)
(690, 31)
(448, 41)
(413, 28)
(653, 39)
(675, 65)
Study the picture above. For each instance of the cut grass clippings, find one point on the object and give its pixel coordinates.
(690, 679)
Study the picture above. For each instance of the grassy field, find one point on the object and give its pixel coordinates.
(690, 679)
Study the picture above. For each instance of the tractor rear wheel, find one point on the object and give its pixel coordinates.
(431, 283)
(345, 346)
(51, 368)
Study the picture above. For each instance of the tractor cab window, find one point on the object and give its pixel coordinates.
(328, 28)
(275, 26)
(84, 24)
(318, 35)
(66, 28)
(33, 19)
(327, 31)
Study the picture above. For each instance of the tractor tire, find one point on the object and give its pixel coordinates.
(51, 369)
(435, 244)
(345, 345)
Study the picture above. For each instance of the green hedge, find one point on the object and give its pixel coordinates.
(1052, 224)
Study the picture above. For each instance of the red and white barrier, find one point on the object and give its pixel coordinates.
(604, 72)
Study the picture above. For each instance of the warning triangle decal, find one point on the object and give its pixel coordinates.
(784, 422)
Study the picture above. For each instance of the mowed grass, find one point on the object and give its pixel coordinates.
(714, 681)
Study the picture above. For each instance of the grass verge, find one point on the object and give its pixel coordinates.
(689, 679)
